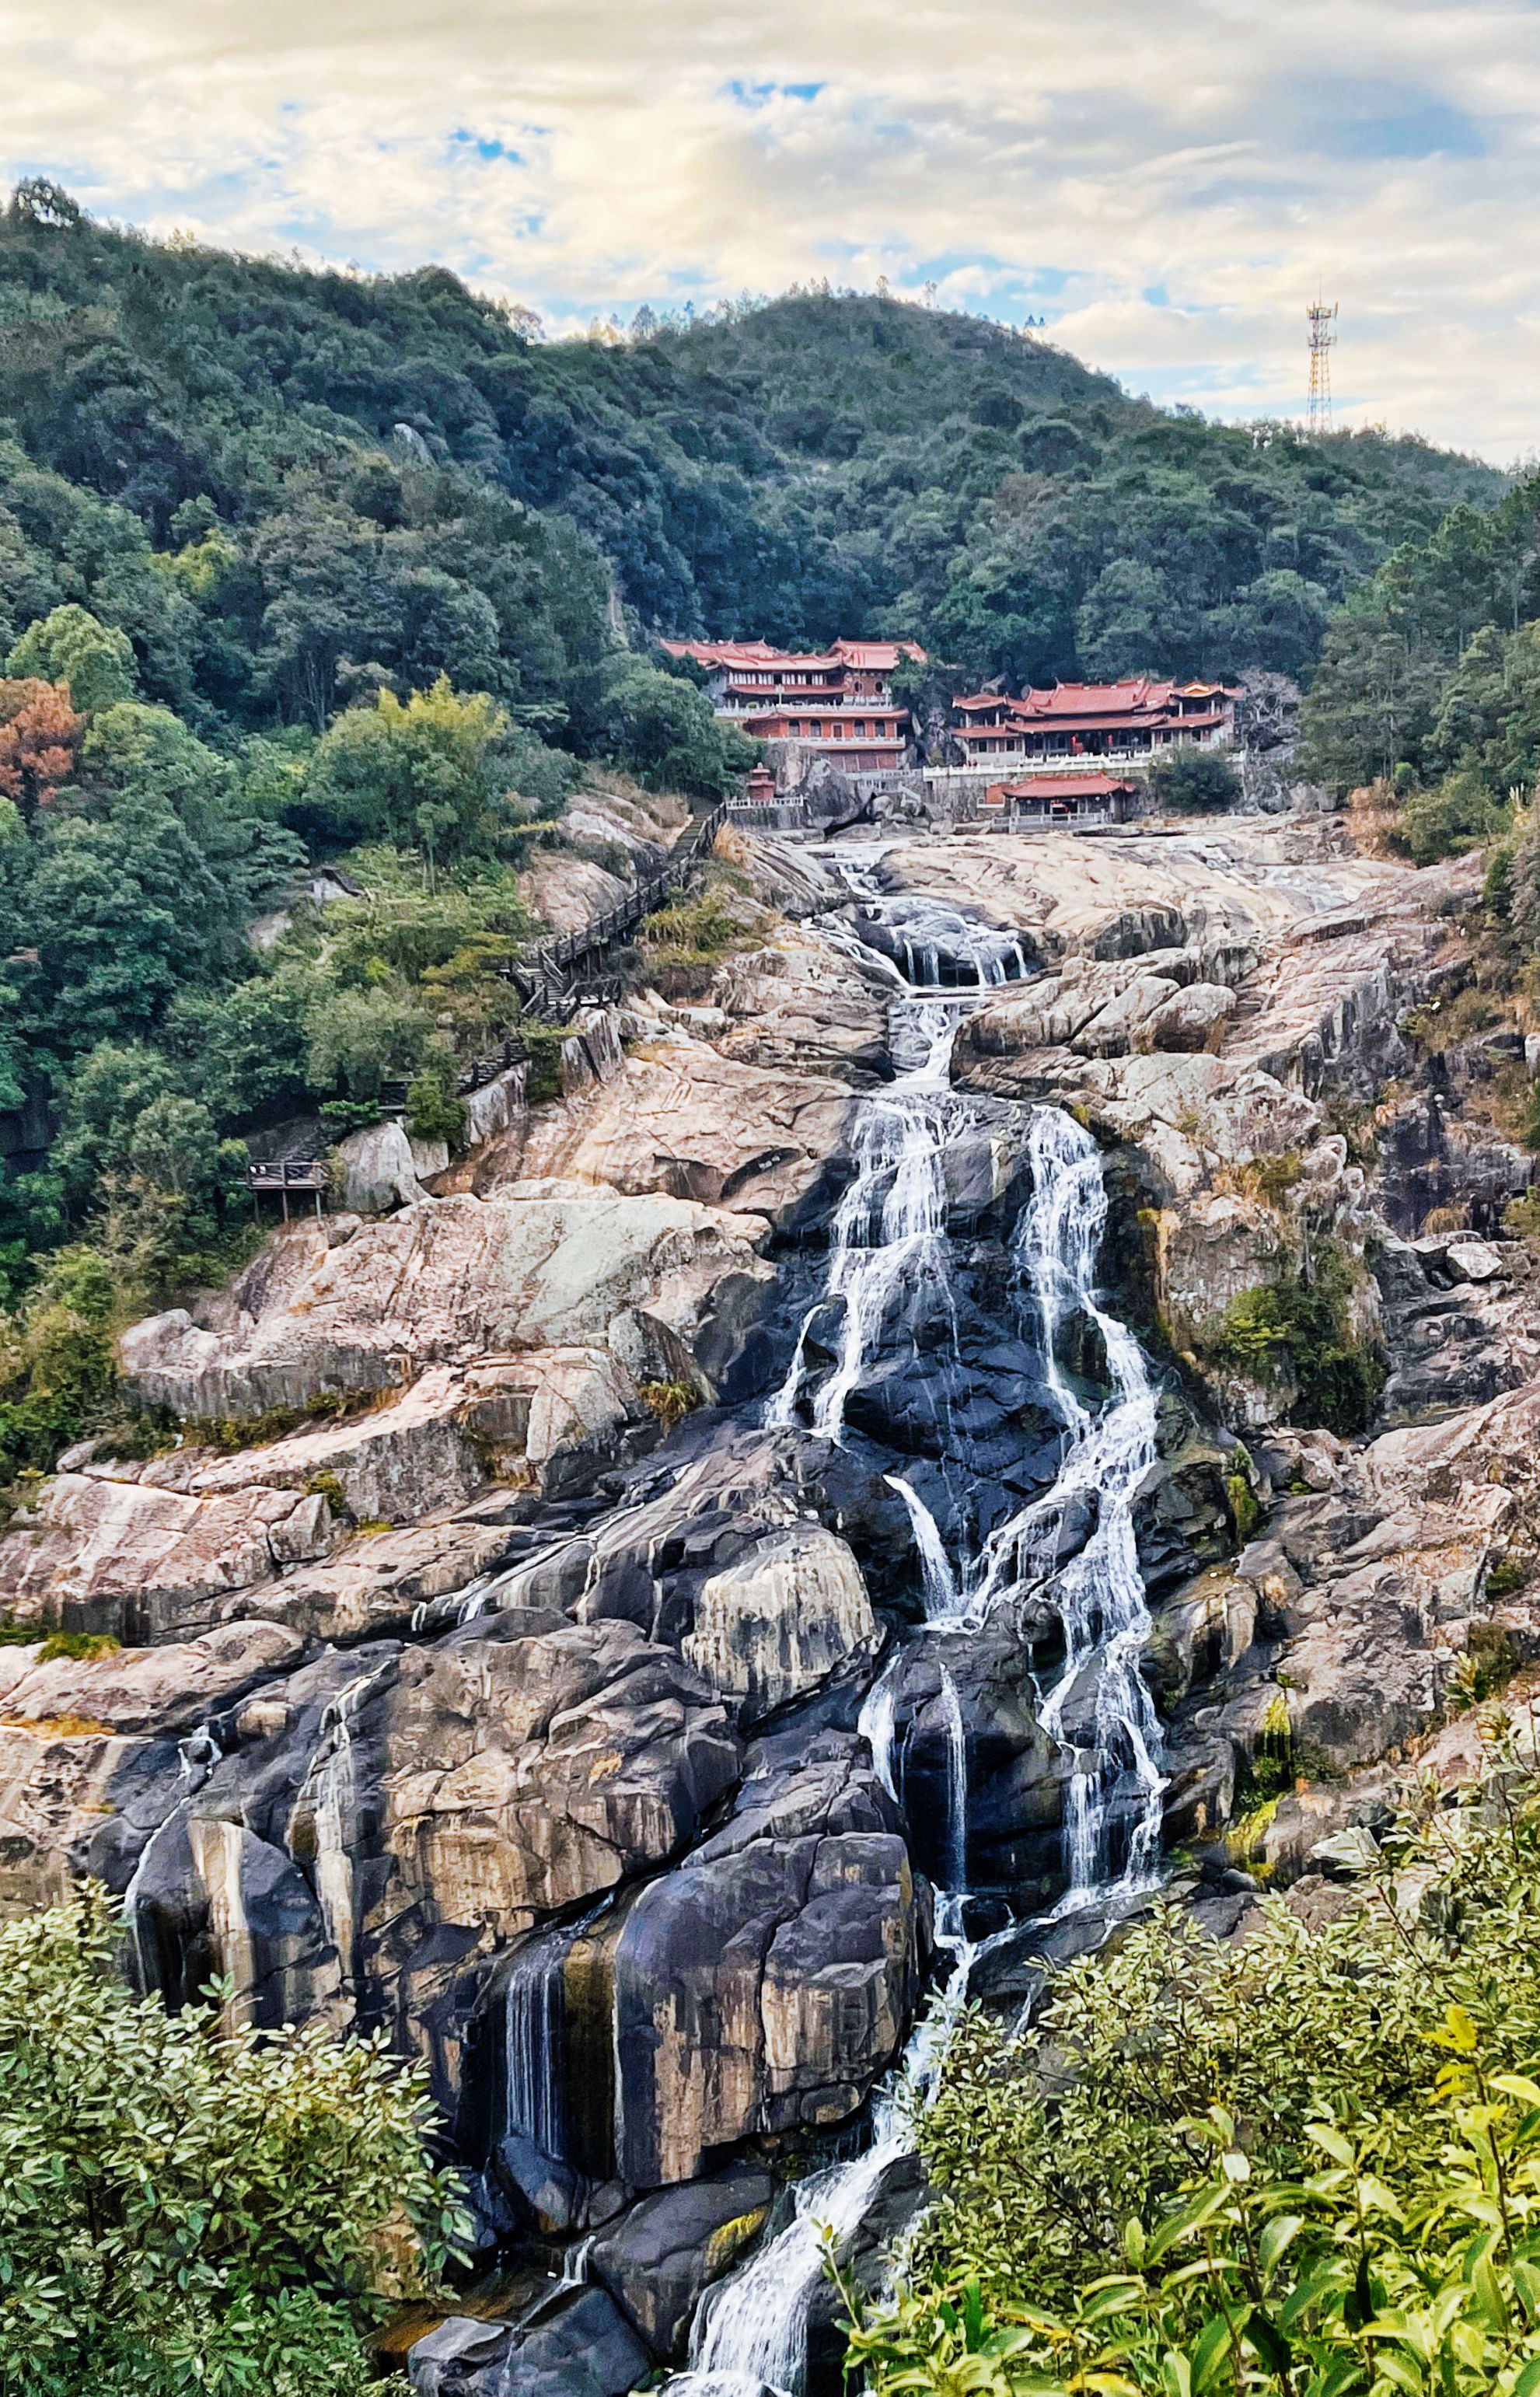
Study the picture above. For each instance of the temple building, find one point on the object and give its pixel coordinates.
(1074, 720)
(837, 703)
(1061, 802)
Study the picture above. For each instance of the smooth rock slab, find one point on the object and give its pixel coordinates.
(144, 1563)
(782, 1618)
(542, 1265)
(767, 1981)
(661, 2255)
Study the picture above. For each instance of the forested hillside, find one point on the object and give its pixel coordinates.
(1429, 679)
(794, 470)
(302, 567)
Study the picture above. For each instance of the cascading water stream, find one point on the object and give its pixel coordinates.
(532, 2044)
(1115, 1793)
(751, 2332)
(889, 1231)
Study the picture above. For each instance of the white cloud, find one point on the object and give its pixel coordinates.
(1167, 187)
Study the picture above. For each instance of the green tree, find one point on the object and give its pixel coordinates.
(661, 729)
(1306, 2162)
(186, 2204)
(423, 771)
(1370, 704)
(1488, 718)
(71, 646)
(123, 914)
(359, 1038)
(1459, 814)
(106, 1095)
(57, 1368)
(1126, 624)
(1193, 782)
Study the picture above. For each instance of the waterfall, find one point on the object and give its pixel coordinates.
(876, 1724)
(334, 1810)
(889, 1231)
(956, 1788)
(751, 2332)
(938, 1582)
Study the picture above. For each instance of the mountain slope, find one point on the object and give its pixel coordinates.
(812, 466)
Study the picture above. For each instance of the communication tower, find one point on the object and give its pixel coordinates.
(1322, 339)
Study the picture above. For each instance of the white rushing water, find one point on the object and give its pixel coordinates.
(751, 2333)
(887, 1236)
(531, 2039)
(1115, 1794)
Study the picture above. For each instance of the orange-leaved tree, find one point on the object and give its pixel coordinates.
(39, 738)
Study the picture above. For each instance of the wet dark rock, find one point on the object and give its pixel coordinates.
(1461, 1320)
(1015, 1771)
(385, 1818)
(1429, 1159)
(765, 1982)
(659, 2257)
(575, 2343)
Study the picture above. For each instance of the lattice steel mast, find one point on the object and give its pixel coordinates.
(1321, 319)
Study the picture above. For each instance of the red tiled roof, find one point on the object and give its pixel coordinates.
(1137, 698)
(1066, 787)
(1140, 697)
(881, 656)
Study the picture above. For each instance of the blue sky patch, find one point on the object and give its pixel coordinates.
(1387, 120)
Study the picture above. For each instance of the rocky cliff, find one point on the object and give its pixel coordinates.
(627, 1611)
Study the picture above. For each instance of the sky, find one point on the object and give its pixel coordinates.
(1167, 188)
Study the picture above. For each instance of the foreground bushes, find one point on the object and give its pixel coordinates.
(1309, 2163)
(186, 2207)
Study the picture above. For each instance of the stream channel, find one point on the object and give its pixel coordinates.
(1069, 1544)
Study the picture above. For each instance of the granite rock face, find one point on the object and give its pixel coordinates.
(539, 1264)
(681, 1120)
(413, 1807)
(1347, 1617)
(767, 1982)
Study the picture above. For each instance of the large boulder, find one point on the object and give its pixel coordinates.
(780, 1618)
(144, 1563)
(90, 1759)
(663, 2252)
(576, 2343)
(680, 1118)
(1342, 1625)
(802, 1006)
(767, 1981)
(159, 1549)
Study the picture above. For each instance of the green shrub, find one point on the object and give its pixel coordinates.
(1303, 1328)
(82, 1647)
(1308, 2163)
(1459, 814)
(327, 1486)
(682, 944)
(57, 1366)
(541, 1045)
(185, 2206)
(434, 1109)
(233, 1433)
(1193, 782)
(670, 1401)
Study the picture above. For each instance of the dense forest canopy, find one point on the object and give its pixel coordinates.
(818, 464)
